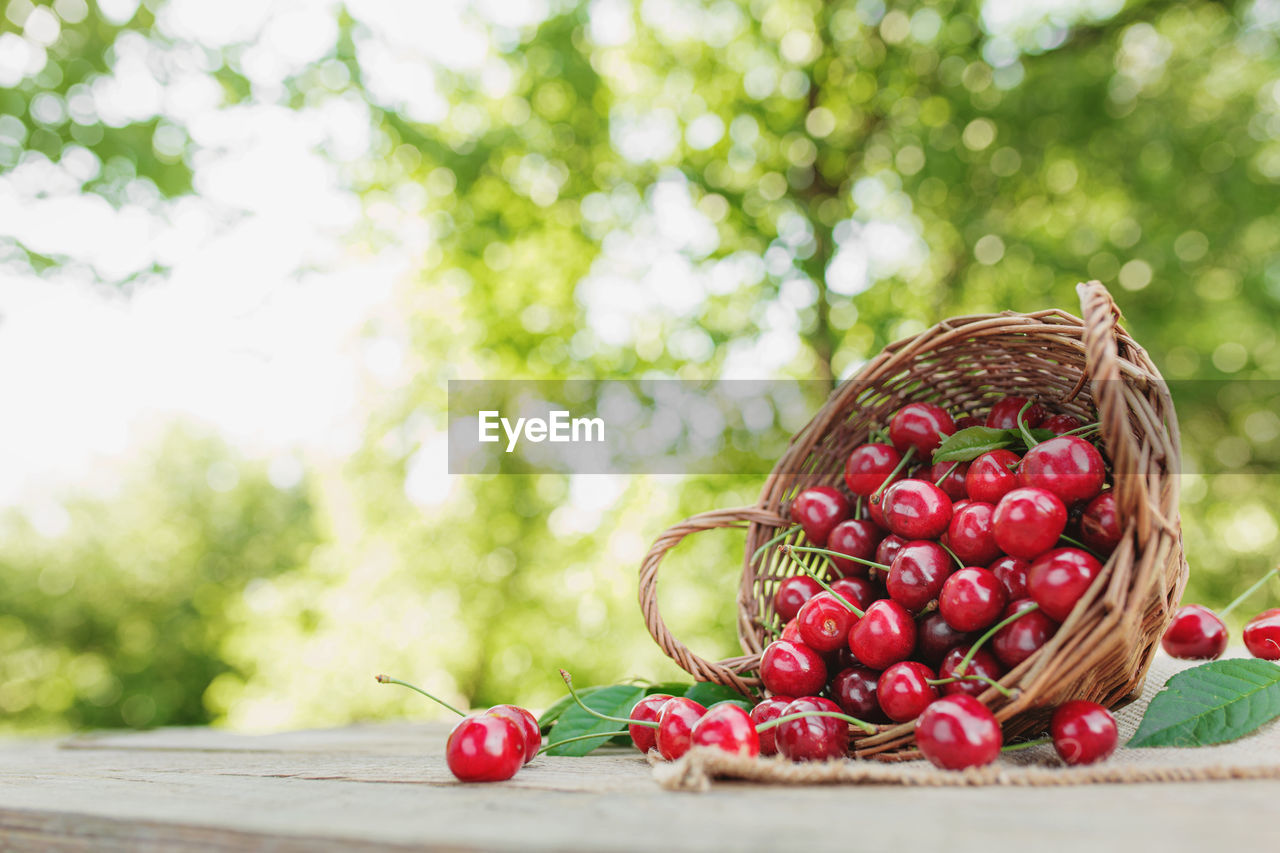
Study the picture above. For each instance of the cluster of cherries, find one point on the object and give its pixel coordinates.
(927, 567)
(1198, 633)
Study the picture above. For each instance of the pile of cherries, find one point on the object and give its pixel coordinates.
(942, 578)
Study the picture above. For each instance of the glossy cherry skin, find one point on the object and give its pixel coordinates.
(904, 690)
(958, 731)
(1012, 573)
(859, 592)
(1196, 633)
(792, 594)
(972, 599)
(1100, 524)
(791, 631)
(485, 748)
(824, 623)
(983, 662)
(916, 509)
(818, 510)
(1059, 424)
(884, 635)
(1021, 638)
(763, 712)
(868, 466)
(1068, 466)
(1262, 635)
(676, 720)
(917, 574)
(727, 727)
(889, 548)
(854, 690)
(812, 738)
(528, 727)
(934, 638)
(646, 710)
(949, 477)
(991, 476)
(857, 538)
(971, 534)
(969, 421)
(1059, 578)
(1028, 521)
(792, 669)
(1083, 732)
(1004, 414)
(922, 426)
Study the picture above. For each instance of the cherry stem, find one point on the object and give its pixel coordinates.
(386, 679)
(827, 552)
(857, 506)
(568, 681)
(1087, 428)
(1077, 543)
(1022, 427)
(811, 573)
(943, 478)
(1026, 744)
(595, 736)
(947, 548)
(786, 718)
(897, 469)
(991, 632)
(774, 541)
(1240, 599)
(990, 682)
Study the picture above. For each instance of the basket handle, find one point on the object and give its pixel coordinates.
(1102, 357)
(723, 672)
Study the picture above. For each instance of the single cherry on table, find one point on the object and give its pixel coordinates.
(485, 748)
(1262, 635)
(1196, 633)
(958, 731)
(1083, 732)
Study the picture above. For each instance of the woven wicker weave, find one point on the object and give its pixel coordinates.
(1103, 650)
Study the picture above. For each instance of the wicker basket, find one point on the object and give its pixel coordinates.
(1103, 650)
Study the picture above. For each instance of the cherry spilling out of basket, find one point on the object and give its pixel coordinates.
(1198, 633)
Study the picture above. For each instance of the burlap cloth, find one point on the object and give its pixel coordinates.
(1254, 757)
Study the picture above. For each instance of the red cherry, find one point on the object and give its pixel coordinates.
(676, 720)
(1083, 732)
(1100, 524)
(727, 727)
(1021, 638)
(991, 476)
(791, 631)
(969, 421)
(1012, 572)
(922, 426)
(859, 592)
(1028, 522)
(916, 509)
(646, 710)
(1068, 466)
(1059, 424)
(1004, 414)
(983, 663)
(958, 731)
(528, 727)
(917, 574)
(950, 478)
(868, 466)
(818, 510)
(889, 548)
(824, 624)
(485, 748)
(971, 534)
(1262, 635)
(1060, 578)
(884, 635)
(792, 668)
(812, 738)
(792, 594)
(857, 538)
(854, 689)
(934, 638)
(904, 690)
(1196, 633)
(763, 712)
(972, 599)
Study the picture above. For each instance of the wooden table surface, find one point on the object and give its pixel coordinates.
(385, 787)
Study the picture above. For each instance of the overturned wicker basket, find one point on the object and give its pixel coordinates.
(1103, 650)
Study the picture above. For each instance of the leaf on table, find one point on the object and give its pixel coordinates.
(1212, 703)
(615, 701)
(968, 444)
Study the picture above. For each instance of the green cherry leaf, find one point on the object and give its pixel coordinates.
(1215, 702)
(970, 443)
(615, 701)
